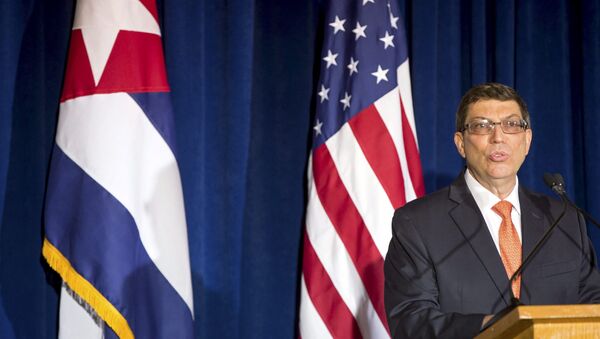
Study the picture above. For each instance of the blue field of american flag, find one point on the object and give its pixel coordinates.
(364, 164)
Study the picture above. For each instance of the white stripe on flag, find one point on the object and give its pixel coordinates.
(335, 260)
(406, 93)
(388, 107)
(362, 184)
(112, 140)
(74, 321)
(311, 325)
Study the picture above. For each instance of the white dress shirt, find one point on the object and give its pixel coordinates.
(486, 200)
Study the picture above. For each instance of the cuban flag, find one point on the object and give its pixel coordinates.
(364, 164)
(115, 227)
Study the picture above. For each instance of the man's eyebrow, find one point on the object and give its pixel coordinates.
(513, 115)
(480, 118)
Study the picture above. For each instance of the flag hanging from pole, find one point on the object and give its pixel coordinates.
(115, 226)
(364, 164)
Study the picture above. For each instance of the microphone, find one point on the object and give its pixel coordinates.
(555, 182)
(557, 185)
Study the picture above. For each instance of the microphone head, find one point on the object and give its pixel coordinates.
(560, 184)
(559, 179)
(555, 182)
(549, 180)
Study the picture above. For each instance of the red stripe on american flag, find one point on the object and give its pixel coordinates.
(350, 227)
(412, 155)
(327, 301)
(379, 149)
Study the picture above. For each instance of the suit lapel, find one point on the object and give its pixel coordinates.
(533, 226)
(469, 220)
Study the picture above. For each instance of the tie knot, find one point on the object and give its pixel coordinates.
(503, 208)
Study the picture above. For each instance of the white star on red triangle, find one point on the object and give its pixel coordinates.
(100, 23)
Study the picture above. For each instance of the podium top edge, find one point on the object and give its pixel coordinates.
(556, 312)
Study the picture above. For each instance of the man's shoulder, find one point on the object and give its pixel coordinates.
(426, 216)
(541, 201)
(427, 203)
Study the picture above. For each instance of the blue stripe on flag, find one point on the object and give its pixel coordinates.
(158, 108)
(100, 238)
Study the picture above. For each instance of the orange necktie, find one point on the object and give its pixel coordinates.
(510, 245)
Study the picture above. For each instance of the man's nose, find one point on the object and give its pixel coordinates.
(497, 134)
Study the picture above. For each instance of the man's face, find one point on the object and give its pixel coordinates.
(496, 157)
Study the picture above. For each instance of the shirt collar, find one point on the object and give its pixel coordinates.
(486, 199)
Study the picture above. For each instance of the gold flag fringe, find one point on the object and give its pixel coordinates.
(86, 291)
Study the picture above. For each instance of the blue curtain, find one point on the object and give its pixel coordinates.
(242, 79)
(34, 36)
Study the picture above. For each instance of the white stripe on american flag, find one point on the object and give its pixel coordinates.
(406, 93)
(311, 324)
(363, 186)
(332, 254)
(389, 109)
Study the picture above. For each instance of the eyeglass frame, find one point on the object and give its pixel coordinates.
(524, 126)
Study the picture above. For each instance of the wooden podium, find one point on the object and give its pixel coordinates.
(552, 321)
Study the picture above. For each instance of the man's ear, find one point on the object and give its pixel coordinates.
(460, 143)
(528, 138)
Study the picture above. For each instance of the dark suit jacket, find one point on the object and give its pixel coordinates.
(443, 273)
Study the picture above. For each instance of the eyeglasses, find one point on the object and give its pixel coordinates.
(485, 126)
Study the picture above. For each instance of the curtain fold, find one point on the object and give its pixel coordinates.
(213, 51)
(588, 193)
(39, 40)
(14, 16)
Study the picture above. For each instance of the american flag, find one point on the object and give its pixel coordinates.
(114, 219)
(364, 164)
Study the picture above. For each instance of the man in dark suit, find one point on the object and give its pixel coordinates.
(452, 252)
